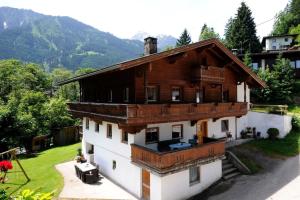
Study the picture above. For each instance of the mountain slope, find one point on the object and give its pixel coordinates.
(55, 41)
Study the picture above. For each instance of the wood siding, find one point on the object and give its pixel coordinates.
(164, 162)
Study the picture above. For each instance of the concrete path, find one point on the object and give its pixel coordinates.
(75, 189)
(280, 183)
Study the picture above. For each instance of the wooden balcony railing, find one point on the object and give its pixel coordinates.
(209, 73)
(140, 114)
(164, 162)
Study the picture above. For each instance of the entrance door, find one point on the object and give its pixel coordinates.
(145, 185)
(201, 131)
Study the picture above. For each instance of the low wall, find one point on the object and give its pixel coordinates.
(264, 121)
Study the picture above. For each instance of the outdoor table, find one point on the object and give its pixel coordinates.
(84, 169)
(180, 145)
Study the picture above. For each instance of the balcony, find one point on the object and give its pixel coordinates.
(169, 161)
(209, 74)
(142, 114)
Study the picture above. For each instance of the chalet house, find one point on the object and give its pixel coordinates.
(157, 125)
(272, 47)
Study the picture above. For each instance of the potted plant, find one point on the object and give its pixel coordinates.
(5, 165)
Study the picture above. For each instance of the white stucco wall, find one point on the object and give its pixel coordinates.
(106, 150)
(264, 121)
(278, 43)
(176, 186)
(215, 130)
(240, 93)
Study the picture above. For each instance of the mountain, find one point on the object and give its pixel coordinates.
(163, 41)
(60, 41)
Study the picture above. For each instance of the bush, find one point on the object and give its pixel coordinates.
(3, 195)
(296, 123)
(273, 133)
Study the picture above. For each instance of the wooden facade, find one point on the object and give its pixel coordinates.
(165, 162)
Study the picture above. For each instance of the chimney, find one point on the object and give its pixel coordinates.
(150, 45)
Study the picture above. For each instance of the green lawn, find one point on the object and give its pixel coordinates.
(288, 146)
(41, 170)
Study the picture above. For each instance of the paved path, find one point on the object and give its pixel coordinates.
(75, 189)
(280, 183)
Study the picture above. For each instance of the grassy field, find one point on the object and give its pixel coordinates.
(288, 146)
(41, 171)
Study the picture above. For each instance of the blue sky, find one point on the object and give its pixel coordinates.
(125, 18)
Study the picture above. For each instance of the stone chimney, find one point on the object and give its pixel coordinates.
(150, 45)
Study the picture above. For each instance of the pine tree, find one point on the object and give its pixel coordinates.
(240, 32)
(184, 39)
(208, 33)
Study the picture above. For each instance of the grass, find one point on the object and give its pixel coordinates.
(41, 171)
(250, 163)
(288, 146)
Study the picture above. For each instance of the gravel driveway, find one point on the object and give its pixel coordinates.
(280, 180)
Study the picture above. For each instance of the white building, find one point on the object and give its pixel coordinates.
(157, 125)
(277, 43)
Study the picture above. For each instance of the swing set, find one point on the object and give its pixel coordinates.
(6, 166)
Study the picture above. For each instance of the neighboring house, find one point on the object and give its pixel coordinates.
(135, 114)
(273, 46)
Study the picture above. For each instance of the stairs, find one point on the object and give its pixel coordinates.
(229, 170)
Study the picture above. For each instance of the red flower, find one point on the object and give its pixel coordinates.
(5, 165)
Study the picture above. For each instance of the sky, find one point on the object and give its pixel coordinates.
(124, 18)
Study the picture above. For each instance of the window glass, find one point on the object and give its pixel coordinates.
(199, 96)
(224, 125)
(109, 130)
(124, 137)
(177, 131)
(176, 94)
(110, 96)
(96, 127)
(273, 47)
(152, 93)
(298, 64)
(255, 66)
(293, 64)
(152, 135)
(126, 94)
(87, 123)
(194, 175)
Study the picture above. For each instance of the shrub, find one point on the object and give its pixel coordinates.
(273, 133)
(296, 123)
(3, 195)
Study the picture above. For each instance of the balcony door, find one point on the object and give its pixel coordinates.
(201, 131)
(145, 184)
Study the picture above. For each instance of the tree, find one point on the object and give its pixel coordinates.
(240, 32)
(208, 33)
(296, 30)
(287, 19)
(280, 81)
(184, 39)
(247, 60)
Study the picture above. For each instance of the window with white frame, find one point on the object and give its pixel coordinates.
(176, 94)
(109, 131)
(124, 137)
(298, 64)
(177, 131)
(194, 175)
(97, 127)
(152, 93)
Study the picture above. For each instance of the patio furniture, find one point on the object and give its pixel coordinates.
(180, 145)
(164, 145)
(84, 171)
(193, 142)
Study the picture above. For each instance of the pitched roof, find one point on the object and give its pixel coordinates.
(157, 56)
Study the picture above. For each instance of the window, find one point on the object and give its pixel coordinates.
(286, 39)
(126, 94)
(194, 175)
(224, 125)
(255, 66)
(91, 149)
(87, 123)
(199, 96)
(96, 127)
(274, 40)
(152, 135)
(298, 64)
(177, 131)
(114, 164)
(273, 47)
(109, 131)
(110, 96)
(124, 137)
(176, 94)
(226, 96)
(293, 64)
(152, 93)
